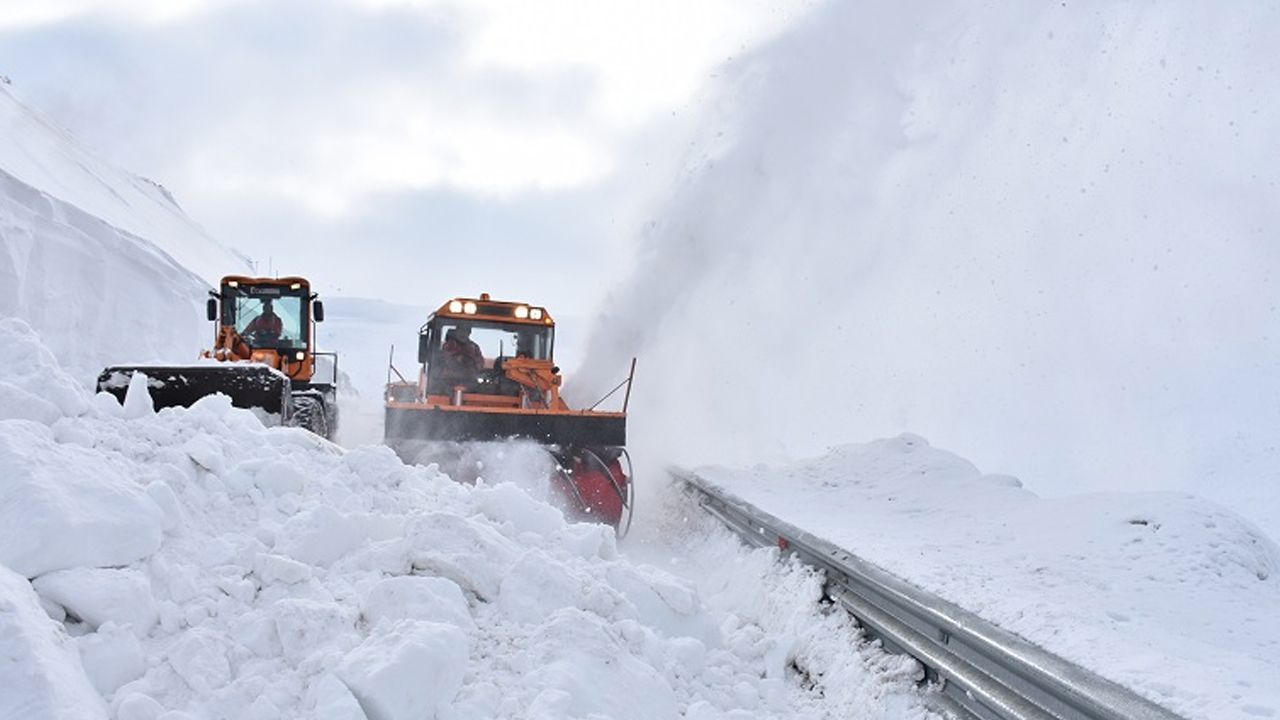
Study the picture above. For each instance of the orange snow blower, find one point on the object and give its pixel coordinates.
(487, 374)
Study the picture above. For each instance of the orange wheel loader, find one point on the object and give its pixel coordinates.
(264, 357)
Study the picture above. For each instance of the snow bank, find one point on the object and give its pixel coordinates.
(40, 673)
(258, 572)
(1165, 593)
(34, 387)
(98, 294)
(61, 506)
(102, 263)
(1041, 234)
(48, 161)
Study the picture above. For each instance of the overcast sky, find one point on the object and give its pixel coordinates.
(402, 149)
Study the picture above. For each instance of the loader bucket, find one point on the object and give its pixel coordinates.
(249, 385)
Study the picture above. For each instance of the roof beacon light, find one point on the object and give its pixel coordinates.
(455, 306)
(522, 311)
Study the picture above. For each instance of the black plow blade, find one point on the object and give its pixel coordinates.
(249, 385)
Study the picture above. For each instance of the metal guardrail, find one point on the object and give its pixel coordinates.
(982, 671)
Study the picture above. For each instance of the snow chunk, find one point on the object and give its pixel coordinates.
(661, 602)
(507, 502)
(137, 706)
(407, 673)
(322, 535)
(200, 659)
(32, 385)
(417, 598)
(102, 595)
(537, 585)
(17, 403)
(62, 506)
(280, 478)
(137, 398)
(40, 673)
(620, 684)
(111, 657)
(306, 627)
(202, 450)
(167, 501)
(334, 701)
(470, 553)
(273, 569)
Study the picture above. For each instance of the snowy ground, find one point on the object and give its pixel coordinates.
(194, 564)
(1166, 593)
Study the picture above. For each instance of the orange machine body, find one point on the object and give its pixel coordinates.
(506, 385)
(295, 356)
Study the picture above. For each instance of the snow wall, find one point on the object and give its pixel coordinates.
(102, 263)
(1043, 235)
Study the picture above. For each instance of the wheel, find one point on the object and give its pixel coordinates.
(310, 413)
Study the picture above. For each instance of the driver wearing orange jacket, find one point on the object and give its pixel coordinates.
(267, 325)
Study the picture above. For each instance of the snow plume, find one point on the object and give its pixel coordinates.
(102, 263)
(1040, 234)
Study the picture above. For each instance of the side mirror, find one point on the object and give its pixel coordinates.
(424, 347)
(211, 309)
(317, 311)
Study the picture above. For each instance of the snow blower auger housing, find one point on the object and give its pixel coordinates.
(264, 356)
(487, 373)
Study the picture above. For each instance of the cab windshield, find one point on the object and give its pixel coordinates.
(270, 322)
(499, 340)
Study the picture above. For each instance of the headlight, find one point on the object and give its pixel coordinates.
(536, 313)
(301, 356)
(455, 306)
(522, 312)
(469, 308)
(234, 283)
(296, 286)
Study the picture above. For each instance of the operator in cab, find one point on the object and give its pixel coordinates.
(267, 326)
(461, 353)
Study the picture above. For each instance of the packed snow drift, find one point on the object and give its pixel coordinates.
(103, 263)
(1164, 593)
(193, 563)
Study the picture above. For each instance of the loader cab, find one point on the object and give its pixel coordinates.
(270, 321)
(270, 315)
(499, 331)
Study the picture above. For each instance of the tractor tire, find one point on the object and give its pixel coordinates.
(310, 413)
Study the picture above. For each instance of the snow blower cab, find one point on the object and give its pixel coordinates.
(487, 373)
(264, 356)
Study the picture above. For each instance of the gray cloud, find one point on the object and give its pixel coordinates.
(218, 101)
